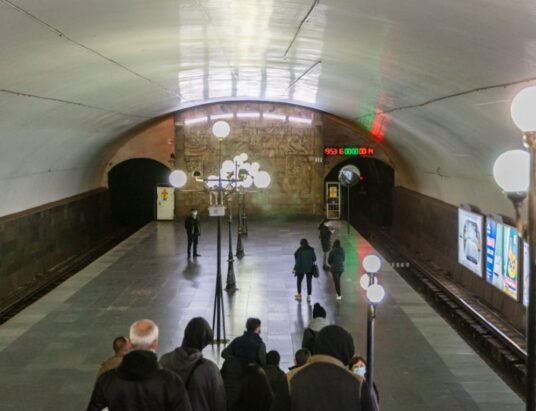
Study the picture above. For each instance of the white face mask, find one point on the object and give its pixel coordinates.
(360, 371)
(194, 214)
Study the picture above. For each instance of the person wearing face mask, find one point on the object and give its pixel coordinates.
(193, 231)
(359, 366)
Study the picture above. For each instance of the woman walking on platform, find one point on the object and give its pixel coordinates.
(325, 240)
(336, 262)
(304, 258)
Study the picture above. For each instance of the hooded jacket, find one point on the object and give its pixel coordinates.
(139, 384)
(310, 333)
(324, 382)
(201, 377)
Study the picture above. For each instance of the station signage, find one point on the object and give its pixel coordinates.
(330, 151)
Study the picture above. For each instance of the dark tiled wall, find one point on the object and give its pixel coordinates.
(429, 228)
(34, 241)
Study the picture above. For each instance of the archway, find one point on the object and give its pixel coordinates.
(371, 199)
(132, 190)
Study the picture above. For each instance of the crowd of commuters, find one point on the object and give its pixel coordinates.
(326, 376)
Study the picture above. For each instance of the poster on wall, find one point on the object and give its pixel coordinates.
(502, 250)
(510, 261)
(526, 270)
(470, 240)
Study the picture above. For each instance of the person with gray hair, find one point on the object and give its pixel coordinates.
(139, 383)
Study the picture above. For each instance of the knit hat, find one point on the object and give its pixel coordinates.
(318, 311)
(198, 334)
(335, 341)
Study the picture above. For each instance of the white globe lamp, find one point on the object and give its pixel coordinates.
(262, 179)
(178, 178)
(511, 171)
(375, 293)
(364, 281)
(221, 129)
(372, 263)
(523, 109)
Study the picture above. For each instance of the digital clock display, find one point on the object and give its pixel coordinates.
(348, 151)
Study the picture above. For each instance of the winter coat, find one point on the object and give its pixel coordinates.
(139, 384)
(325, 237)
(192, 225)
(249, 348)
(275, 375)
(323, 383)
(201, 377)
(110, 363)
(304, 258)
(309, 334)
(233, 373)
(336, 260)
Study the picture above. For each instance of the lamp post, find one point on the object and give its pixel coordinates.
(515, 173)
(375, 294)
(231, 278)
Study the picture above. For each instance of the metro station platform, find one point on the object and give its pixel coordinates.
(50, 352)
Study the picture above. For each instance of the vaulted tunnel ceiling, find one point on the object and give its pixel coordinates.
(434, 79)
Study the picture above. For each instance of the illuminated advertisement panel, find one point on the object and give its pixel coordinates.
(470, 237)
(526, 271)
(502, 250)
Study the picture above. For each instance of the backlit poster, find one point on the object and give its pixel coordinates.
(494, 232)
(526, 271)
(510, 261)
(470, 240)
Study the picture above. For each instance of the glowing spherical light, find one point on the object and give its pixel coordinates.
(221, 129)
(212, 181)
(375, 293)
(178, 178)
(243, 157)
(262, 179)
(227, 166)
(247, 182)
(364, 281)
(511, 171)
(523, 109)
(372, 263)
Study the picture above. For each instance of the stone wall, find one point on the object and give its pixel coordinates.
(429, 227)
(33, 241)
(288, 150)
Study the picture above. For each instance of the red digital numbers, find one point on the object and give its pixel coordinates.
(348, 151)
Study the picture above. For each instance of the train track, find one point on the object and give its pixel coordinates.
(56, 275)
(502, 346)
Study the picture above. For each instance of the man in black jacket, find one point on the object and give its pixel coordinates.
(325, 382)
(139, 384)
(193, 231)
(249, 347)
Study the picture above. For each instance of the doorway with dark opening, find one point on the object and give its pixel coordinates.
(371, 199)
(132, 185)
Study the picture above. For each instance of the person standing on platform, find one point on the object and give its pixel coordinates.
(325, 240)
(201, 377)
(255, 393)
(249, 347)
(193, 231)
(121, 346)
(336, 262)
(273, 372)
(305, 259)
(139, 383)
(317, 323)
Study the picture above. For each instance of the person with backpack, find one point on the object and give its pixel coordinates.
(201, 376)
(317, 323)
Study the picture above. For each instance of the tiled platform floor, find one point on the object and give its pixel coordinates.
(50, 352)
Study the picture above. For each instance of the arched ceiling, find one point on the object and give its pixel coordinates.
(433, 80)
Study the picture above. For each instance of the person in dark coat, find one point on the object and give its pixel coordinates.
(359, 366)
(325, 382)
(325, 240)
(273, 372)
(193, 231)
(139, 384)
(121, 347)
(336, 262)
(242, 351)
(255, 394)
(317, 323)
(201, 377)
(300, 358)
(304, 259)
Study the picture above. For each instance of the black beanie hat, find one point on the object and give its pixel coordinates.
(318, 311)
(335, 341)
(198, 334)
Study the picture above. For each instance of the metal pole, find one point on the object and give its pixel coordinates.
(530, 139)
(370, 346)
(231, 279)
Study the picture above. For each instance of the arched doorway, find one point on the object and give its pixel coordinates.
(132, 190)
(371, 199)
